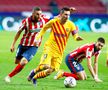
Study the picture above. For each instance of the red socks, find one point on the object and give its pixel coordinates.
(66, 74)
(16, 70)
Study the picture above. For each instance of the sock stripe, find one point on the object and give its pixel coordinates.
(40, 75)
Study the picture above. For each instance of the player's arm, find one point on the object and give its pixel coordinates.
(92, 70)
(89, 64)
(44, 29)
(15, 39)
(12, 48)
(96, 68)
(96, 65)
(75, 33)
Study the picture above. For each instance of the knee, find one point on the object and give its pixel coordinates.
(17, 61)
(46, 67)
(23, 61)
(49, 71)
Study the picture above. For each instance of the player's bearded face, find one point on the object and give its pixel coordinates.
(65, 15)
(37, 15)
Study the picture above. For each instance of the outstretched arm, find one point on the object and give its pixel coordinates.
(12, 48)
(93, 71)
(42, 31)
(75, 33)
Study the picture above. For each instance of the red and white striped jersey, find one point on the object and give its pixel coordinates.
(85, 51)
(31, 30)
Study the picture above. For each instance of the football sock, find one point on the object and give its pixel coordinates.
(41, 74)
(16, 70)
(66, 74)
(39, 68)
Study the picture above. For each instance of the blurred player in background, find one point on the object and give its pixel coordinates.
(74, 59)
(54, 47)
(26, 49)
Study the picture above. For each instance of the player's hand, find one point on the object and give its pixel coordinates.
(12, 48)
(72, 10)
(79, 38)
(36, 44)
(107, 63)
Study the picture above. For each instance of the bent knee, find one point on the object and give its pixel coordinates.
(49, 71)
(45, 66)
(24, 61)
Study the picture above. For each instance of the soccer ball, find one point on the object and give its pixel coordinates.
(69, 82)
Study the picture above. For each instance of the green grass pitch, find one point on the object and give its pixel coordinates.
(19, 82)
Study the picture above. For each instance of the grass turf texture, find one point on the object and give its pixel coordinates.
(19, 82)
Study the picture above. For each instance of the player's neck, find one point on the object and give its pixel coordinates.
(62, 21)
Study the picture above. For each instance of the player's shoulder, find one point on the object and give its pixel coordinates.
(91, 46)
(26, 19)
(54, 19)
(70, 22)
(45, 16)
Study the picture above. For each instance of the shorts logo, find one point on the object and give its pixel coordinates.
(45, 56)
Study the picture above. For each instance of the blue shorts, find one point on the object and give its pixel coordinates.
(26, 51)
(73, 65)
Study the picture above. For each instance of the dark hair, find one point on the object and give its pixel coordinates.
(101, 39)
(64, 9)
(37, 9)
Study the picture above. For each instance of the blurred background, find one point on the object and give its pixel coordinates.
(91, 15)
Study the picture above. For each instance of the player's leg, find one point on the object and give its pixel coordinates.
(84, 74)
(17, 61)
(73, 66)
(27, 53)
(39, 68)
(79, 71)
(70, 65)
(56, 65)
(44, 68)
(81, 75)
(36, 70)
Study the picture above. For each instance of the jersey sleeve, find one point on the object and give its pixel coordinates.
(88, 53)
(43, 30)
(46, 18)
(23, 25)
(97, 53)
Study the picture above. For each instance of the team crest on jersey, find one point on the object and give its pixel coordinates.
(40, 23)
(67, 29)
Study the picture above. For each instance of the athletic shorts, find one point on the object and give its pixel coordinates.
(73, 65)
(26, 51)
(51, 60)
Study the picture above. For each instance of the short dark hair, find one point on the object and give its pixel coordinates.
(37, 9)
(101, 39)
(64, 9)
